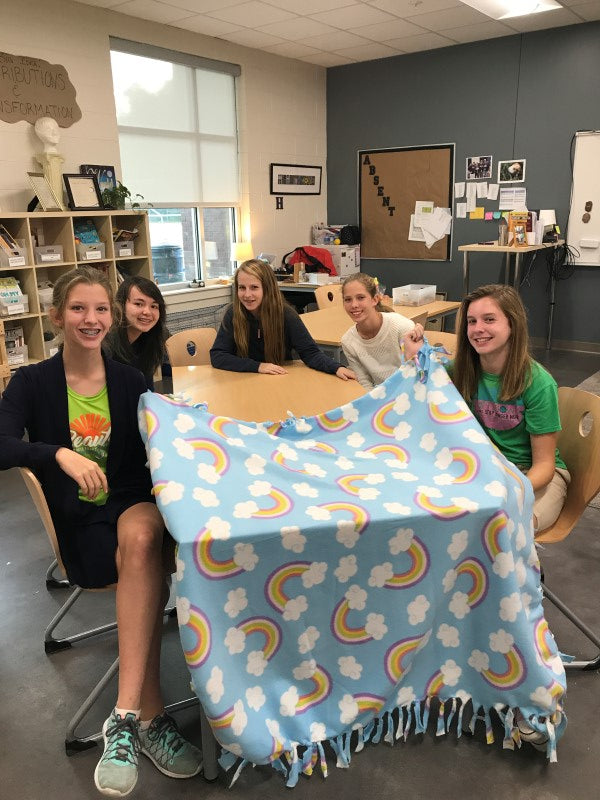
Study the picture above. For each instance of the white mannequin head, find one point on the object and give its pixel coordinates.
(48, 131)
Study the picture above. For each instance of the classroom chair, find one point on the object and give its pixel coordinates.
(74, 743)
(328, 295)
(579, 446)
(190, 348)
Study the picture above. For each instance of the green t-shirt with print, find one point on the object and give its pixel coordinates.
(510, 424)
(89, 426)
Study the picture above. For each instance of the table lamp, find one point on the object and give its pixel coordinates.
(241, 251)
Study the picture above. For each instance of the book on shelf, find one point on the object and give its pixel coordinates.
(85, 231)
(14, 337)
(7, 242)
(124, 235)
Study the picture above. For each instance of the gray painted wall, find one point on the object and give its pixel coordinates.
(520, 96)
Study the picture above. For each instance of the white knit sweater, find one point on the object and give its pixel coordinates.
(374, 360)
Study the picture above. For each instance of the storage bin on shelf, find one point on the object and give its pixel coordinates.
(413, 294)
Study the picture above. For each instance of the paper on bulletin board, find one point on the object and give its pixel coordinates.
(492, 191)
(513, 198)
(489, 215)
(415, 233)
(482, 189)
(459, 189)
(461, 211)
(435, 226)
(471, 196)
(477, 213)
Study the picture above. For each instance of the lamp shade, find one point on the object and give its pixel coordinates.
(548, 216)
(210, 251)
(241, 251)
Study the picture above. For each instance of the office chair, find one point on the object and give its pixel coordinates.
(190, 348)
(580, 448)
(74, 743)
(328, 295)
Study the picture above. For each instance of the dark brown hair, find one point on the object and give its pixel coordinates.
(516, 374)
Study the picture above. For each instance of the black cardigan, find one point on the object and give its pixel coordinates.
(223, 354)
(36, 401)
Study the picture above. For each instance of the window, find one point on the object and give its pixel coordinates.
(177, 123)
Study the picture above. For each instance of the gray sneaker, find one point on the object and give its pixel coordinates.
(168, 750)
(117, 771)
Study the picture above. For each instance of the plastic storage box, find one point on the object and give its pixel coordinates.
(414, 294)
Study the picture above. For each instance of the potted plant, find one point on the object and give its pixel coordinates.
(117, 196)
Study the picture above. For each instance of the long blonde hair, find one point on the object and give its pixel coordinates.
(516, 374)
(371, 285)
(270, 313)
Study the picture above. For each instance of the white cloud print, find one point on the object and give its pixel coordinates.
(255, 697)
(347, 533)
(444, 458)
(308, 639)
(356, 597)
(287, 452)
(496, 489)
(402, 431)
(396, 508)
(240, 718)
(171, 493)
(439, 377)
(245, 510)
(184, 449)
(428, 442)
(182, 604)
(306, 669)
(401, 541)
(355, 440)
(368, 493)
(348, 709)
(236, 602)
(465, 503)
(451, 672)
(350, 668)
(448, 635)
(155, 458)
(184, 423)
(475, 436)
(260, 488)
(292, 539)
(318, 513)
(244, 556)
(314, 575)
(349, 413)
(315, 470)
(214, 685)
(459, 605)
(380, 574)
(206, 497)
(208, 473)
(479, 661)
(305, 489)
(235, 641)
(295, 607)
(501, 641)
(504, 564)
(417, 610)
(457, 544)
(179, 569)
(218, 528)
(346, 568)
(510, 607)
(401, 404)
(255, 465)
(375, 626)
(256, 663)
(404, 476)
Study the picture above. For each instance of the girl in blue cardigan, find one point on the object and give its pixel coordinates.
(80, 412)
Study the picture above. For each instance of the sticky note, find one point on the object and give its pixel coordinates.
(497, 215)
(477, 213)
(489, 215)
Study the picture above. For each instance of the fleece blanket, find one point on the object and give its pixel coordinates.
(339, 577)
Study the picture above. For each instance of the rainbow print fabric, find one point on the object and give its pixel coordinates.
(361, 570)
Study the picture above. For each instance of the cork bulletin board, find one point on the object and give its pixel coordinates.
(390, 182)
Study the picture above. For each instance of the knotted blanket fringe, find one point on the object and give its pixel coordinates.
(396, 724)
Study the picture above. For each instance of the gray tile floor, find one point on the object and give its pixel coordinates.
(38, 694)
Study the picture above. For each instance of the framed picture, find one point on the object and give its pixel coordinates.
(44, 192)
(295, 179)
(83, 192)
(105, 175)
(511, 171)
(479, 167)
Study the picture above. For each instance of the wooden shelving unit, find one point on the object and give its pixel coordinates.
(56, 228)
(4, 368)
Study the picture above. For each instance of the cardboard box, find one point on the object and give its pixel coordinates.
(49, 253)
(413, 294)
(124, 249)
(346, 258)
(321, 278)
(90, 252)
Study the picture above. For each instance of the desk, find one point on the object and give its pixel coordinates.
(253, 396)
(331, 570)
(328, 325)
(517, 252)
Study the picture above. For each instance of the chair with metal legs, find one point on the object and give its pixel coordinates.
(579, 446)
(73, 742)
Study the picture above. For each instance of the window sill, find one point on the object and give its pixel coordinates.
(197, 297)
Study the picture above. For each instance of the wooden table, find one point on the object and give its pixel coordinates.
(264, 398)
(328, 325)
(517, 252)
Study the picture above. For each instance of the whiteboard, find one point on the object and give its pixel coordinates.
(585, 236)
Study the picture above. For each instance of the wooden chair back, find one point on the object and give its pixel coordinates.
(328, 295)
(579, 446)
(191, 348)
(39, 500)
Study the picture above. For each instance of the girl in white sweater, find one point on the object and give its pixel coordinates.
(372, 345)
